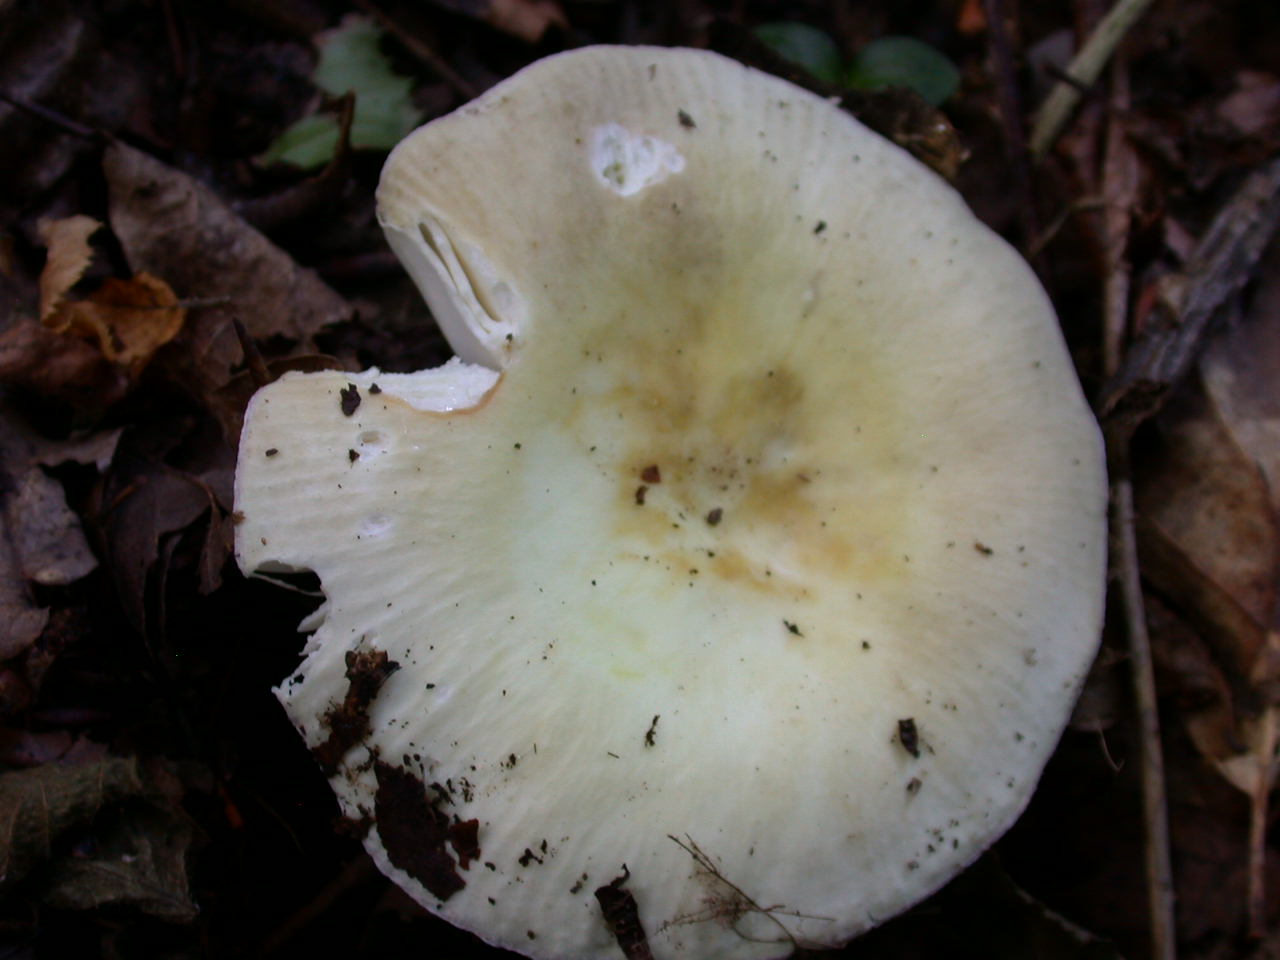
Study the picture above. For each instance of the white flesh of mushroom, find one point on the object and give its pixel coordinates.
(763, 445)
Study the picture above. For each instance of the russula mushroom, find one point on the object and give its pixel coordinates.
(729, 591)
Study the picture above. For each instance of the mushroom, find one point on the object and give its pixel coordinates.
(729, 591)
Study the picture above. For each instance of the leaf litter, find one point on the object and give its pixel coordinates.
(128, 638)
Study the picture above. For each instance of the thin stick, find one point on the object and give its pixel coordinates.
(432, 60)
(1155, 815)
(1010, 102)
(1119, 190)
(1259, 813)
(1219, 267)
(1083, 70)
(54, 117)
(253, 357)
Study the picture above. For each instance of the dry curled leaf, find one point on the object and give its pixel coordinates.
(1211, 544)
(129, 320)
(39, 806)
(133, 837)
(172, 226)
(526, 19)
(41, 541)
(69, 255)
(138, 859)
(145, 502)
(1208, 533)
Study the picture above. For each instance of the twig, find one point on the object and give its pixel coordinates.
(1118, 175)
(1119, 190)
(355, 874)
(1216, 271)
(1259, 809)
(1155, 814)
(1054, 227)
(1011, 112)
(257, 366)
(1084, 69)
(55, 118)
(432, 60)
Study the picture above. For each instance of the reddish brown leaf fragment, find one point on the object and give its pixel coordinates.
(464, 837)
(350, 399)
(414, 831)
(348, 722)
(651, 474)
(622, 917)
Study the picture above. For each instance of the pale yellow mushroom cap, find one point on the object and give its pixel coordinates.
(753, 551)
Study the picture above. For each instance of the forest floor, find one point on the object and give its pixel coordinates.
(156, 802)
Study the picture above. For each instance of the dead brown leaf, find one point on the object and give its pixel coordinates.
(1241, 370)
(128, 319)
(138, 859)
(64, 369)
(38, 806)
(1207, 532)
(526, 19)
(145, 501)
(1254, 106)
(139, 837)
(172, 226)
(69, 255)
(1211, 544)
(41, 541)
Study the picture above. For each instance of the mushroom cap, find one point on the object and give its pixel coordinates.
(731, 591)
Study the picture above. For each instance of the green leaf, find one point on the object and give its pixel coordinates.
(904, 62)
(805, 46)
(309, 143)
(351, 59)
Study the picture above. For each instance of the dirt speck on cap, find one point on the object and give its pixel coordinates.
(622, 917)
(414, 832)
(348, 722)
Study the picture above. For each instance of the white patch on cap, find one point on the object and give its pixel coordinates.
(627, 163)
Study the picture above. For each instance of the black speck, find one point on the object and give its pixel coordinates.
(909, 737)
(517, 446)
(374, 389)
(822, 225)
(353, 455)
(983, 549)
(913, 786)
(686, 121)
(715, 516)
(792, 628)
(650, 736)
(350, 399)
(272, 452)
(640, 492)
